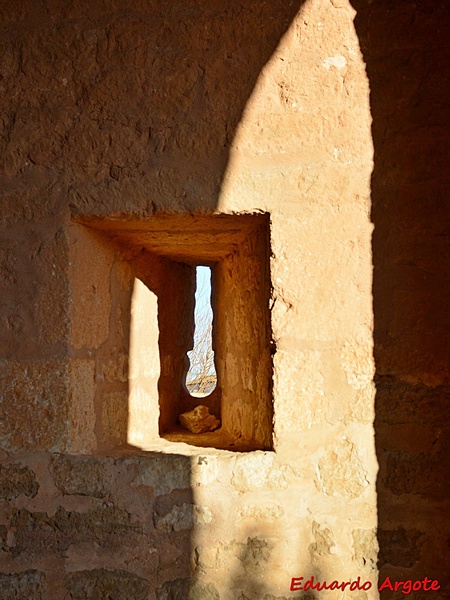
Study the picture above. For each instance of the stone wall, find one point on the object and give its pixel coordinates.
(405, 52)
(329, 116)
(86, 527)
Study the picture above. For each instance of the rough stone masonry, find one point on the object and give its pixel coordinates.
(325, 119)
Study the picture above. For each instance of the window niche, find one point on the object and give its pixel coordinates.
(162, 253)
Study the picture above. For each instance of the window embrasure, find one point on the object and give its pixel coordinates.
(161, 254)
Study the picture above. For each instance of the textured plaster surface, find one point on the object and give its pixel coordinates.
(327, 115)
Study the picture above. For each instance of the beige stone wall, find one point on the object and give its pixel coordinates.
(329, 117)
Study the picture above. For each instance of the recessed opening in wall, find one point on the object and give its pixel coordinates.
(165, 253)
(201, 378)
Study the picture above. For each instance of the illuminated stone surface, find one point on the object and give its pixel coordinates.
(135, 135)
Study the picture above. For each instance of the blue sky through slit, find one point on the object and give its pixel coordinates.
(202, 357)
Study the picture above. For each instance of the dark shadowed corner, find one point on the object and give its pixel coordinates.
(405, 48)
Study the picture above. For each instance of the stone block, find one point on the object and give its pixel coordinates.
(179, 518)
(260, 470)
(206, 557)
(114, 418)
(187, 589)
(19, 288)
(399, 547)
(358, 362)
(84, 476)
(255, 552)
(82, 406)
(23, 586)
(16, 480)
(423, 473)
(323, 541)
(89, 279)
(36, 533)
(164, 474)
(365, 547)
(342, 473)
(351, 595)
(3, 536)
(115, 365)
(99, 584)
(52, 298)
(270, 513)
(33, 403)
(199, 420)
(403, 402)
(182, 517)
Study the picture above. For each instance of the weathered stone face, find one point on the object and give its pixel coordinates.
(16, 480)
(98, 583)
(27, 584)
(199, 420)
(89, 509)
(34, 391)
(186, 588)
(298, 148)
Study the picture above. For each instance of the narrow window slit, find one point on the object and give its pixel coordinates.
(228, 257)
(201, 379)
